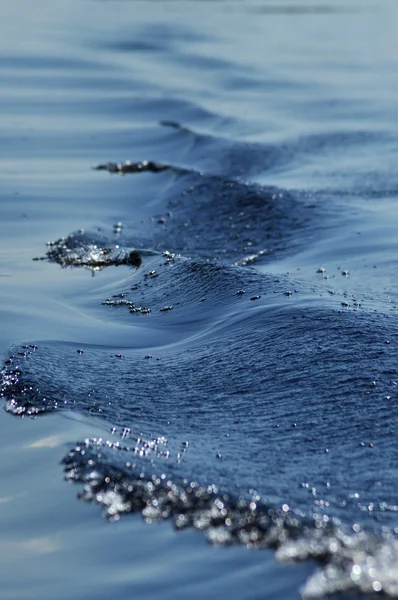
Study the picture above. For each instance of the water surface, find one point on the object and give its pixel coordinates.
(208, 340)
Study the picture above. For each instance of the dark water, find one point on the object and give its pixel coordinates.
(207, 333)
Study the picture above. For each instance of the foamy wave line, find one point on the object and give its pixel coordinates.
(351, 559)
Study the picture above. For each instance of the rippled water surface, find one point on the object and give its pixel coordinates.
(201, 331)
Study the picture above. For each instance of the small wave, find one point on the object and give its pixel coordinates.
(250, 416)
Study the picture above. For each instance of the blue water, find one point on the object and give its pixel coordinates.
(234, 378)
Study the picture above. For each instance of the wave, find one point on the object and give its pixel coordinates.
(247, 405)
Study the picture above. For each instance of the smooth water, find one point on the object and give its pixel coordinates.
(205, 324)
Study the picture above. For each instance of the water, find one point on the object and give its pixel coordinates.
(218, 349)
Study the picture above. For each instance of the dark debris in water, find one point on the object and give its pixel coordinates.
(133, 308)
(129, 167)
(79, 250)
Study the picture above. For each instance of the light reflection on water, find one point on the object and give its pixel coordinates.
(86, 82)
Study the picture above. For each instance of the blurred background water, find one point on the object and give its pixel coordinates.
(257, 99)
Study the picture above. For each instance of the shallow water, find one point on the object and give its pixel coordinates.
(218, 348)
